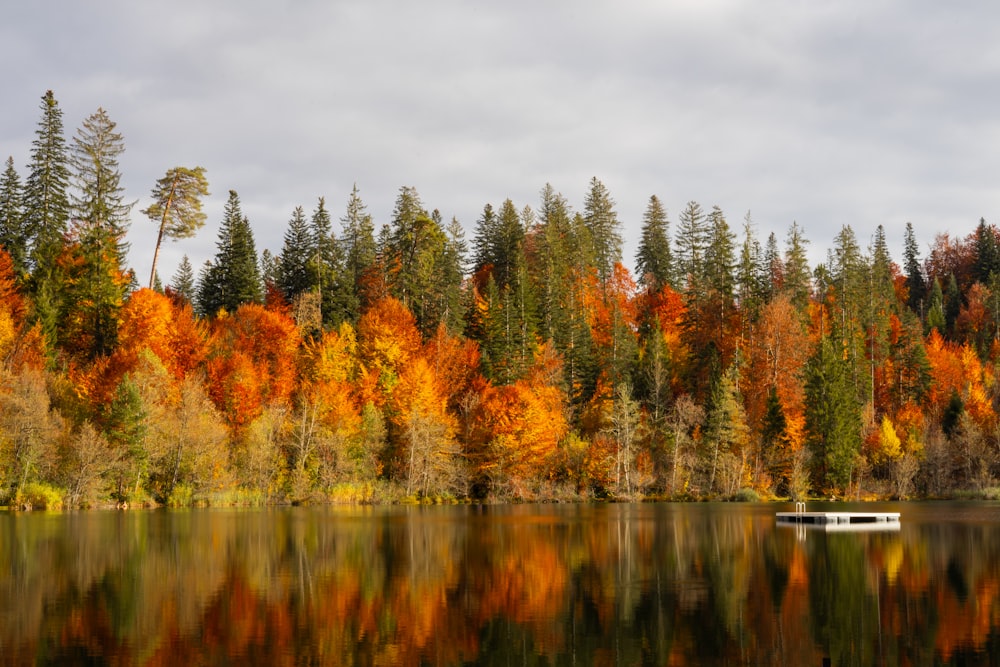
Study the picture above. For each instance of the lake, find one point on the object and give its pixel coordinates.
(589, 584)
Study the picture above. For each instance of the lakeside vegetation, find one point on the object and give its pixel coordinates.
(407, 364)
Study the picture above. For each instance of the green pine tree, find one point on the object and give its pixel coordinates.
(798, 277)
(95, 283)
(233, 277)
(183, 281)
(359, 248)
(833, 418)
(13, 235)
(46, 213)
(915, 283)
(654, 261)
(297, 258)
(601, 221)
(935, 309)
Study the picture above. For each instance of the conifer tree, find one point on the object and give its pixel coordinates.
(297, 256)
(99, 198)
(772, 277)
(935, 309)
(46, 191)
(915, 282)
(338, 302)
(720, 257)
(13, 234)
(654, 260)
(601, 221)
(46, 212)
(987, 248)
(798, 280)
(691, 242)
(183, 281)
(95, 283)
(727, 436)
(233, 277)
(952, 304)
(359, 248)
(833, 420)
(176, 206)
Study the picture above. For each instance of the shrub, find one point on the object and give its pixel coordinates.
(38, 496)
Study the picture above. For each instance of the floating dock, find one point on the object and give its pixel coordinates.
(839, 520)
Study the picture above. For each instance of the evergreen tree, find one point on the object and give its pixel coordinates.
(798, 281)
(833, 420)
(727, 436)
(359, 248)
(720, 257)
(749, 272)
(233, 277)
(915, 283)
(183, 281)
(691, 242)
(952, 304)
(772, 269)
(99, 201)
(775, 445)
(46, 212)
(601, 221)
(95, 283)
(125, 427)
(297, 258)
(13, 235)
(881, 304)
(452, 274)
(338, 301)
(177, 206)
(935, 309)
(987, 249)
(485, 239)
(46, 191)
(654, 260)
(851, 290)
(499, 240)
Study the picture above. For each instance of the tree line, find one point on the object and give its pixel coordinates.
(363, 365)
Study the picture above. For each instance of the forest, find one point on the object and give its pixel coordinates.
(405, 363)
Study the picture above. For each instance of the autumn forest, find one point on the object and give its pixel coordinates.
(366, 363)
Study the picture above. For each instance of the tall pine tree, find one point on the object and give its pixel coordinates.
(654, 261)
(233, 277)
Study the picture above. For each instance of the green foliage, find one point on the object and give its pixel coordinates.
(13, 228)
(233, 277)
(39, 496)
(833, 419)
(654, 260)
(183, 281)
(176, 206)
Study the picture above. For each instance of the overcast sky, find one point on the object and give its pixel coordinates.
(859, 112)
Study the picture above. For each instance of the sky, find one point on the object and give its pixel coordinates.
(856, 112)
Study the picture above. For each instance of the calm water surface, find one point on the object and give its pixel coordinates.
(628, 584)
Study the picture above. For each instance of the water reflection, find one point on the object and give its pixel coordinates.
(588, 584)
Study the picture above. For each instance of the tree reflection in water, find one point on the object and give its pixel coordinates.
(580, 584)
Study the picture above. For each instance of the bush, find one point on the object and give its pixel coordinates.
(38, 496)
(181, 495)
(747, 495)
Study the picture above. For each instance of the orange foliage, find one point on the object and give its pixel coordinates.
(958, 368)
(252, 362)
(777, 354)
(518, 427)
(387, 339)
(455, 361)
